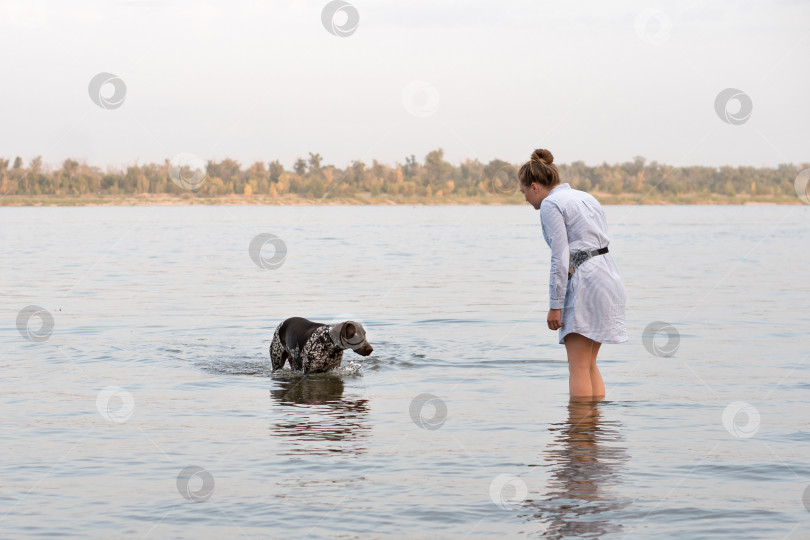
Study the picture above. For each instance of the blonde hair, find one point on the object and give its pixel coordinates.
(539, 169)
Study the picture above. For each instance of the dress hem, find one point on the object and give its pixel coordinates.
(598, 339)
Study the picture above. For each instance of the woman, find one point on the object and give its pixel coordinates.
(587, 296)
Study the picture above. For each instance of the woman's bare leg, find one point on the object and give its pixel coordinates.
(584, 378)
(597, 385)
(580, 357)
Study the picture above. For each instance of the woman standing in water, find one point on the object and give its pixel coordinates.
(586, 294)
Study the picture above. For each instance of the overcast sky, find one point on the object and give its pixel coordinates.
(255, 81)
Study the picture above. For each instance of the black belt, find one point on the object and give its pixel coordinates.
(578, 257)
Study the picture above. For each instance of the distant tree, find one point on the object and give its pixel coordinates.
(357, 173)
(501, 176)
(314, 163)
(411, 167)
(436, 177)
(276, 169)
(469, 176)
(300, 167)
(316, 188)
(69, 167)
(226, 170)
(437, 170)
(257, 170)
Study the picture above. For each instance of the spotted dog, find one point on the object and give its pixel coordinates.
(316, 347)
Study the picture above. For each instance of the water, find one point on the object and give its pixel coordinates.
(158, 362)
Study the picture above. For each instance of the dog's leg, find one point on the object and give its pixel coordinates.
(278, 356)
(295, 363)
(287, 356)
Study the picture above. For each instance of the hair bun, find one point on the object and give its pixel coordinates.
(543, 155)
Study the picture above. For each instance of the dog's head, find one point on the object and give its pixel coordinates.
(351, 335)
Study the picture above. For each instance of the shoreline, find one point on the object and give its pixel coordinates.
(368, 200)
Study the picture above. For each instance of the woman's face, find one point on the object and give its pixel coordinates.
(534, 194)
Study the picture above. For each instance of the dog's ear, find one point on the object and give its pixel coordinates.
(349, 331)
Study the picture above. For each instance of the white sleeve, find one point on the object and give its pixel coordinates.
(556, 235)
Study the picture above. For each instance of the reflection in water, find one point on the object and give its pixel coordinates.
(316, 418)
(585, 462)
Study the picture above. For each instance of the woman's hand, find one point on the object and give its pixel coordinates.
(554, 319)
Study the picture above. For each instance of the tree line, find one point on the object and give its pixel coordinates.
(432, 177)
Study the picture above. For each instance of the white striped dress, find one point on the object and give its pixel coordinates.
(593, 300)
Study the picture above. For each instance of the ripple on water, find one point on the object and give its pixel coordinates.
(313, 412)
(165, 303)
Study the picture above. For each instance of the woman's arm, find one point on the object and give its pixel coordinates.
(556, 235)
